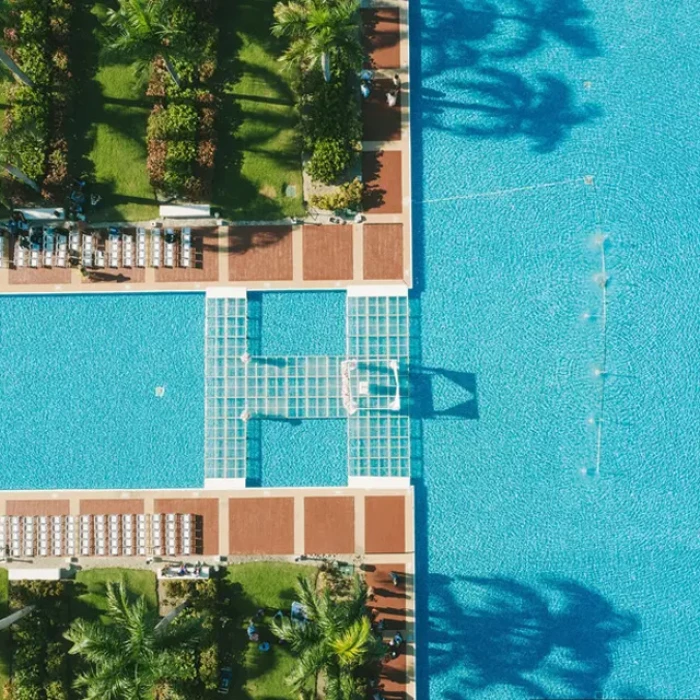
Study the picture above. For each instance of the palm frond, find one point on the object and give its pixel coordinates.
(351, 647)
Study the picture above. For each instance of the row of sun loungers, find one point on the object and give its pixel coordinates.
(172, 534)
(121, 249)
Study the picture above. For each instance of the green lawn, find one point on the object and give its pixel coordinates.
(259, 156)
(91, 587)
(268, 585)
(4, 646)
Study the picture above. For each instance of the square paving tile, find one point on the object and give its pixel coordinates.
(261, 526)
(385, 524)
(382, 34)
(383, 251)
(205, 258)
(328, 252)
(380, 122)
(381, 172)
(329, 525)
(260, 253)
(111, 506)
(37, 507)
(206, 508)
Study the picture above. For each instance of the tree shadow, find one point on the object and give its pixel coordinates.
(559, 633)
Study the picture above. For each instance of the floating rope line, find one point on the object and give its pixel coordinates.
(500, 193)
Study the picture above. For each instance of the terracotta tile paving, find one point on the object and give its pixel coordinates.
(393, 678)
(206, 508)
(381, 30)
(381, 172)
(261, 526)
(205, 258)
(383, 251)
(379, 121)
(329, 524)
(44, 507)
(328, 252)
(389, 600)
(39, 275)
(260, 253)
(385, 524)
(111, 506)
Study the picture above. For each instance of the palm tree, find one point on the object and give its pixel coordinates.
(336, 640)
(142, 31)
(322, 31)
(5, 58)
(132, 655)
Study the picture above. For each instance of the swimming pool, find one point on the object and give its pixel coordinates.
(554, 563)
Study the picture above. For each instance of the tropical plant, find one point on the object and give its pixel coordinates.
(142, 30)
(132, 655)
(5, 58)
(336, 639)
(320, 31)
(347, 196)
(330, 159)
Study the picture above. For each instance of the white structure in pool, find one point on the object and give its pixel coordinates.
(368, 387)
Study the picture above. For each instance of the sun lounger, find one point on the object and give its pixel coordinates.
(99, 258)
(29, 536)
(186, 533)
(128, 535)
(114, 250)
(62, 251)
(34, 257)
(57, 535)
(87, 250)
(186, 247)
(16, 536)
(72, 544)
(128, 248)
(141, 247)
(157, 534)
(3, 535)
(155, 247)
(20, 256)
(141, 542)
(74, 241)
(43, 546)
(114, 536)
(169, 247)
(86, 538)
(49, 243)
(100, 535)
(171, 533)
(2, 250)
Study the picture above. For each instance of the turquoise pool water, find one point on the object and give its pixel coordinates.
(553, 564)
(77, 396)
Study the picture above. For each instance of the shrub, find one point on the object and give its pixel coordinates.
(330, 159)
(347, 196)
(209, 667)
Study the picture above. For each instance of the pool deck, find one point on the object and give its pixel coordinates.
(372, 529)
(311, 254)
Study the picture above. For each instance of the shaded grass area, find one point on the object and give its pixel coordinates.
(90, 599)
(109, 139)
(269, 586)
(4, 636)
(259, 153)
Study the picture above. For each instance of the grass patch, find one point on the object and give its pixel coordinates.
(91, 589)
(271, 586)
(259, 154)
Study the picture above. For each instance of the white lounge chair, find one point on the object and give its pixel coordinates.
(43, 536)
(99, 258)
(128, 535)
(34, 257)
(71, 534)
(3, 535)
(155, 247)
(128, 249)
(29, 536)
(141, 542)
(20, 255)
(186, 248)
(169, 247)
(57, 535)
(157, 534)
(114, 536)
(86, 539)
(141, 247)
(114, 250)
(49, 243)
(74, 241)
(87, 250)
(62, 251)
